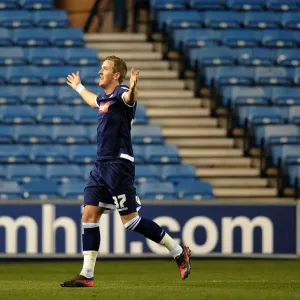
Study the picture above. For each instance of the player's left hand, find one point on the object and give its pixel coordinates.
(134, 78)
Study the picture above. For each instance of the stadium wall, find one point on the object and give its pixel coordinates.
(212, 229)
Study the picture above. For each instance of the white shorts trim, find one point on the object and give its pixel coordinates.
(107, 206)
(126, 156)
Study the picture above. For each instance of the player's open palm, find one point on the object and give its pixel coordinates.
(73, 80)
(134, 78)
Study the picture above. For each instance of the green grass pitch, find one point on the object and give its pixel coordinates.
(156, 279)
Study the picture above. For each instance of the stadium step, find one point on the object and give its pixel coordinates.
(174, 112)
(210, 152)
(148, 56)
(237, 182)
(232, 162)
(113, 47)
(227, 172)
(115, 37)
(244, 192)
(144, 65)
(157, 74)
(174, 103)
(167, 94)
(161, 84)
(184, 122)
(197, 143)
(194, 132)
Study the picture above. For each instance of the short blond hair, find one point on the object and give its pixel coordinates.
(119, 66)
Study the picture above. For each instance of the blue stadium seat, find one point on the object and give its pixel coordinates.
(68, 96)
(162, 154)
(262, 20)
(285, 155)
(176, 173)
(86, 170)
(157, 190)
(157, 5)
(21, 75)
(241, 38)
(179, 19)
(246, 5)
(81, 57)
(140, 117)
(85, 154)
(242, 95)
(259, 115)
(229, 75)
(195, 190)
(72, 190)
(10, 95)
(294, 175)
(280, 38)
(44, 56)
(32, 134)
(276, 134)
(50, 19)
(25, 173)
(274, 76)
(147, 134)
(208, 4)
(14, 154)
(256, 57)
(147, 173)
(139, 154)
(291, 20)
(89, 75)
(3, 75)
(37, 4)
(209, 56)
(11, 19)
(30, 37)
(73, 134)
(85, 115)
(5, 38)
(292, 114)
(6, 134)
(40, 189)
(223, 19)
(283, 5)
(9, 4)
(3, 172)
(54, 115)
(288, 57)
(57, 74)
(52, 154)
(37, 95)
(285, 96)
(17, 115)
(66, 37)
(297, 76)
(10, 190)
(63, 174)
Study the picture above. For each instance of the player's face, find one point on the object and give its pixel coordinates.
(107, 75)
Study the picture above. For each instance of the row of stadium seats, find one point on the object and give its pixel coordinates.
(48, 189)
(85, 154)
(26, 4)
(61, 114)
(37, 37)
(72, 134)
(219, 55)
(48, 56)
(227, 19)
(38, 18)
(47, 75)
(273, 5)
(277, 96)
(61, 174)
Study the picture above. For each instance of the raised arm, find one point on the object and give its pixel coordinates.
(131, 96)
(74, 81)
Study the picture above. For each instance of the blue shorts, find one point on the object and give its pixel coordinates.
(111, 186)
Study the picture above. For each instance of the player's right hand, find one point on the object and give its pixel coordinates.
(73, 80)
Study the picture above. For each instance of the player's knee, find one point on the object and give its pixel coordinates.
(91, 214)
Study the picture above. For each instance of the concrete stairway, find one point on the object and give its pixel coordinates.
(185, 120)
